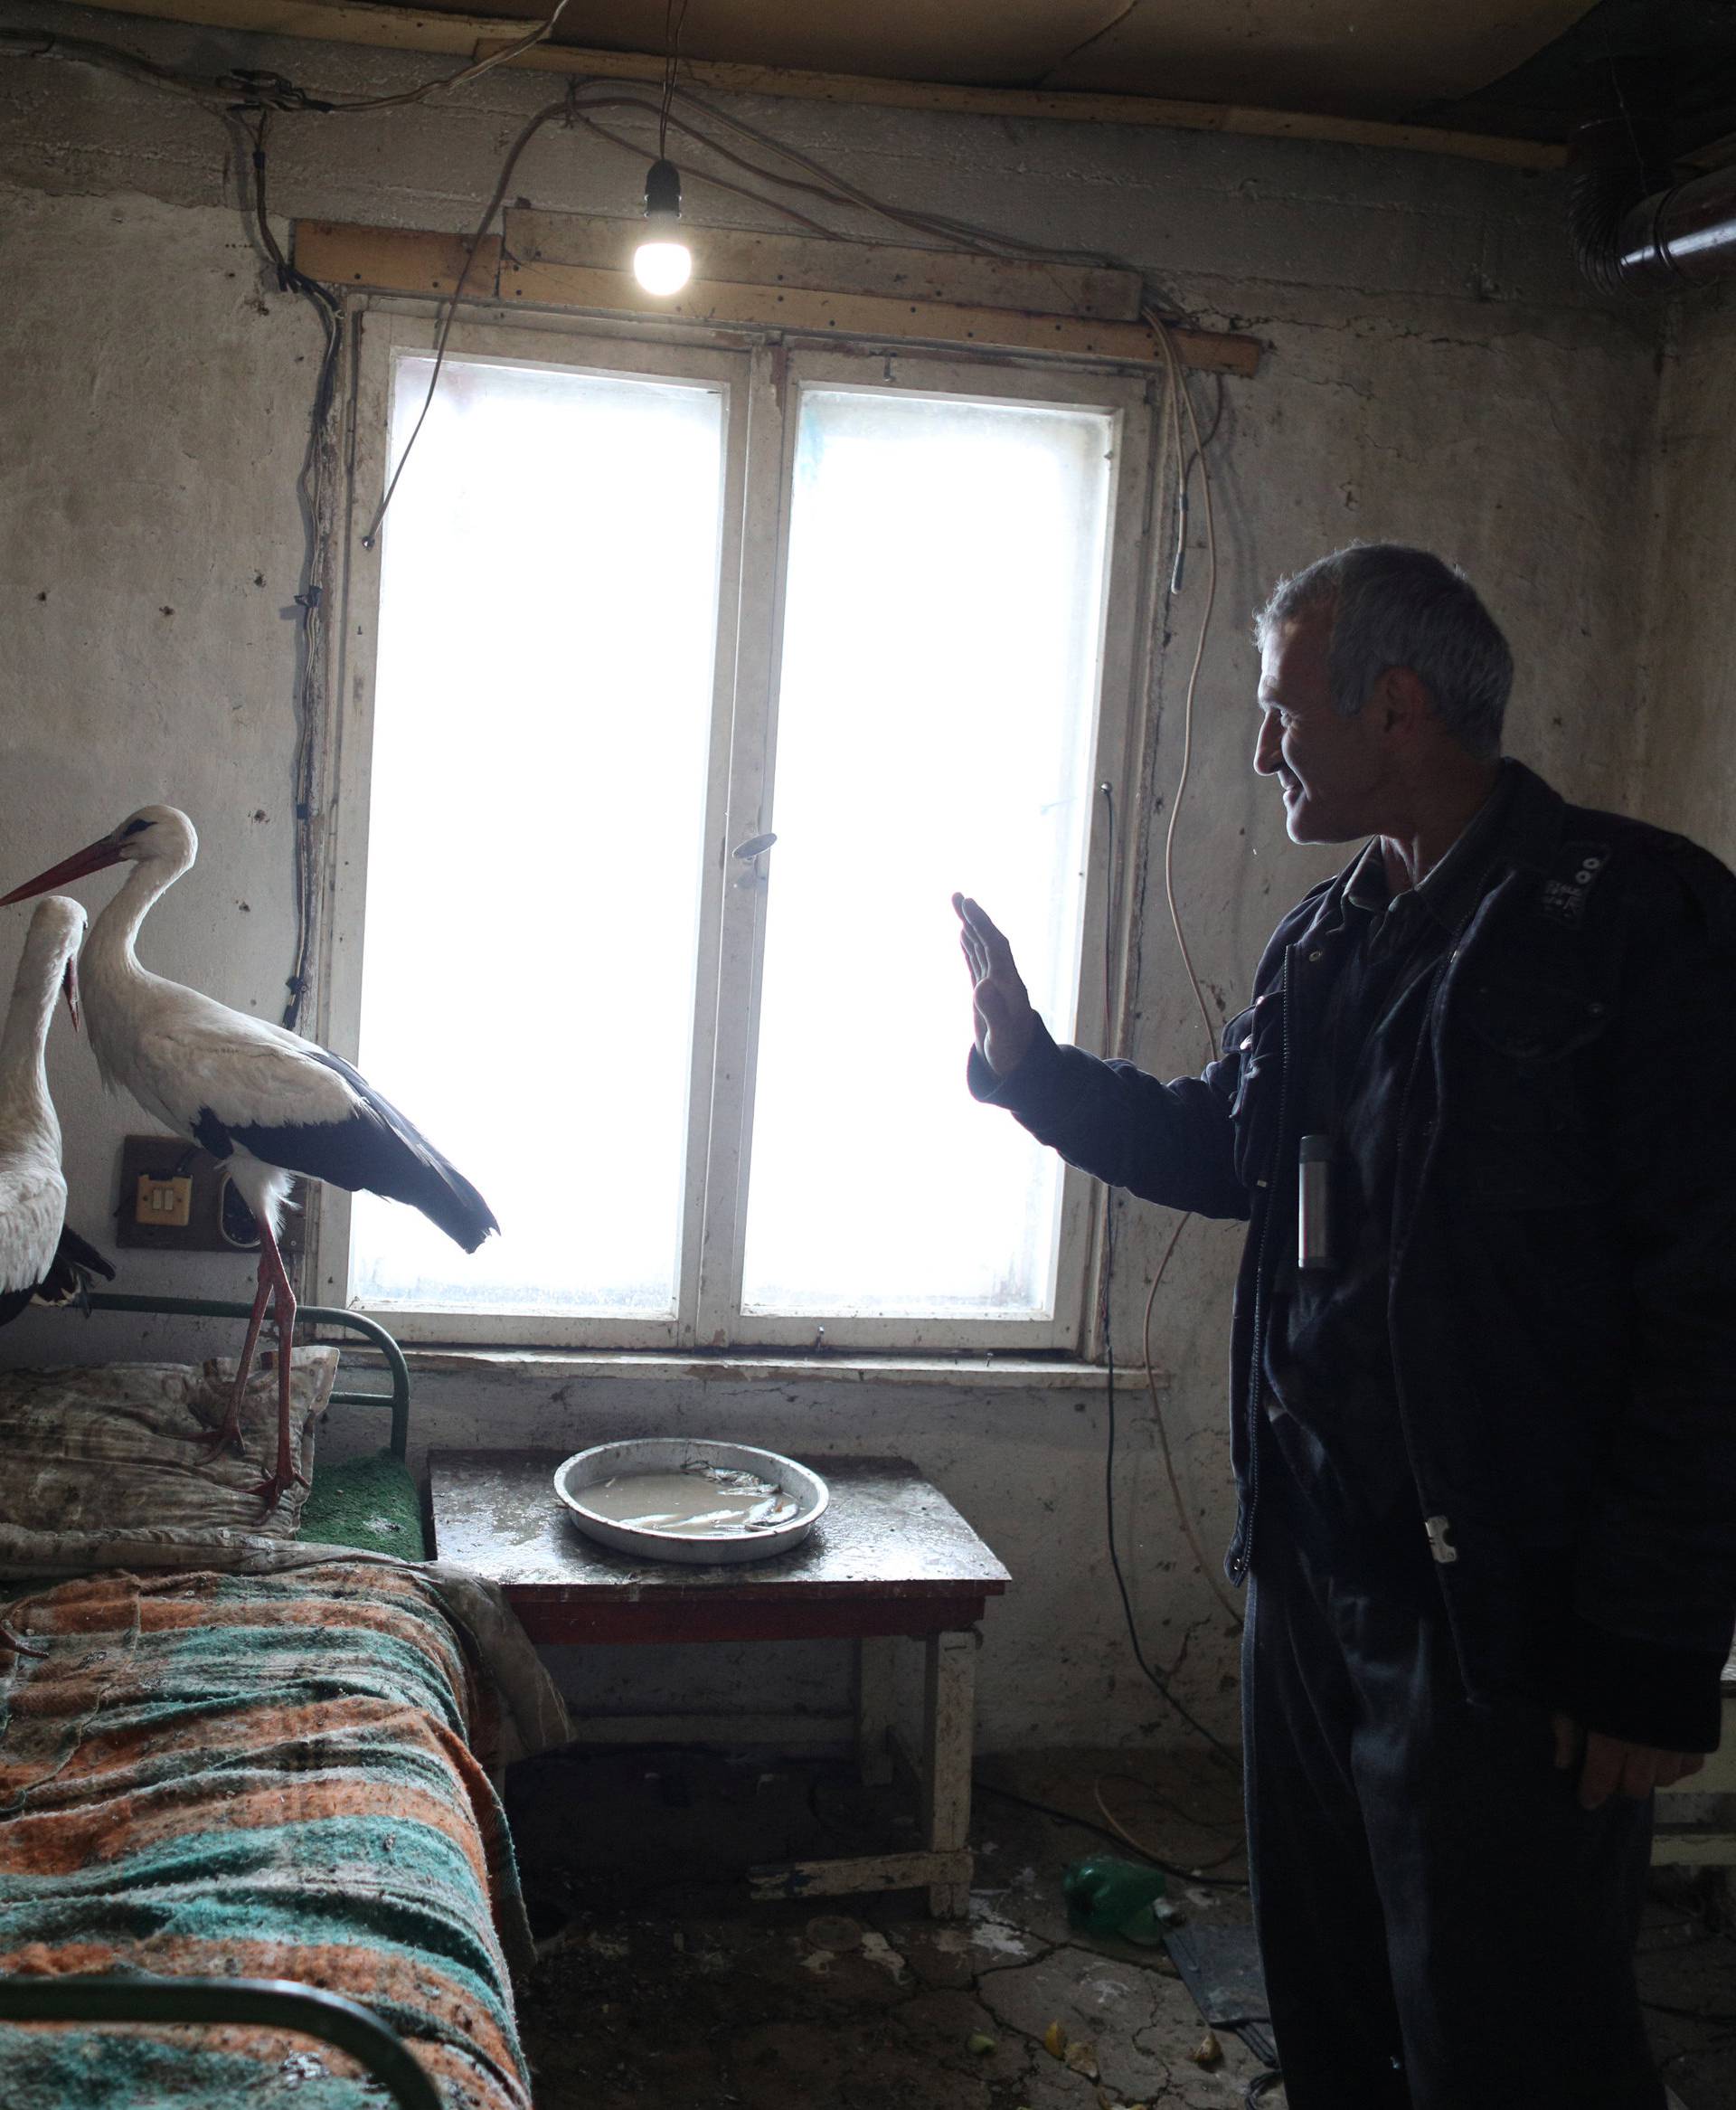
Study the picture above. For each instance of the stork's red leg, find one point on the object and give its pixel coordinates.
(231, 1429)
(270, 1488)
(16, 1642)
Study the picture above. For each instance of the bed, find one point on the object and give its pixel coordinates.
(251, 1780)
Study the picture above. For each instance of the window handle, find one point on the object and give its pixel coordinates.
(750, 853)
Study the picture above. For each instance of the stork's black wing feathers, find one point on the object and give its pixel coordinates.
(376, 1148)
(76, 1260)
(67, 1281)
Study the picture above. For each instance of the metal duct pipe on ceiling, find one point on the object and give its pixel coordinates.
(1630, 226)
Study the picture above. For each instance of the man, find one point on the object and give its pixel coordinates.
(1480, 1117)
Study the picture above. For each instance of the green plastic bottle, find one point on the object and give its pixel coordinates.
(1107, 1895)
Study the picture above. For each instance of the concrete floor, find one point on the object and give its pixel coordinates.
(660, 1986)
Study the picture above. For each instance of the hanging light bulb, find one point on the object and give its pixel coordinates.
(663, 262)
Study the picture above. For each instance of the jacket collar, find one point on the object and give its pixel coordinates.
(1451, 890)
(1528, 832)
(1535, 823)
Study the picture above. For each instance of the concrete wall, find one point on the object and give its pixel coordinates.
(1433, 372)
(1690, 778)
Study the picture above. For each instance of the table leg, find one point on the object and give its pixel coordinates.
(949, 1722)
(876, 1675)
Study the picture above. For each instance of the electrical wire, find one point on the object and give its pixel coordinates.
(310, 632)
(1106, 1286)
(1207, 1567)
(1180, 397)
(471, 250)
(674, 15)
(692, 174)
(988, 240)
(274, 91)
(1164, 1802)
(1139, 1845)
(271, 91)
(1102, 1831)
(474, 71)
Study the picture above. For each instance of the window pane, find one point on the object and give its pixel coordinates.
(936, 720)
(547, 623)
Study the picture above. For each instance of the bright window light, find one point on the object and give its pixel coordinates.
(936, 716)
(544, 696)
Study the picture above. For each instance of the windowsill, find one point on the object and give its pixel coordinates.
(997, 1373)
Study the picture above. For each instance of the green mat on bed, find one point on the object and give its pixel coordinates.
(370, 1502)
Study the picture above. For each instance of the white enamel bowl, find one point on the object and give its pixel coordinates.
(586, 1468)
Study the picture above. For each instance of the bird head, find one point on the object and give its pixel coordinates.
(154, 834)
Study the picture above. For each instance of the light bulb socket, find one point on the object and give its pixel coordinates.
(662, 189)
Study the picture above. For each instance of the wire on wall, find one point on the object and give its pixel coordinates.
(1181, 402)
(471, 250)
(1105, 1319)
(311, 497)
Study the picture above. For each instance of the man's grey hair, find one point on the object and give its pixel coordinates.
(1391, 606)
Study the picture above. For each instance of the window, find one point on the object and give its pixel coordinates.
(635, 607)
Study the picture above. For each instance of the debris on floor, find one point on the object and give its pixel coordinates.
(660, 1985)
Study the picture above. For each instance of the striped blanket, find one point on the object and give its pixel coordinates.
(261, 1776)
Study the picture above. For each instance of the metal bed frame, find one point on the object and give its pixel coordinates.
(144, 1996)
(277, 2003)
(371, 1331)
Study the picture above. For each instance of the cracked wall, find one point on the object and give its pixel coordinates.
(1433, 372)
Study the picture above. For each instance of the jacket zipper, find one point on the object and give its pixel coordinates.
(1440, 1547)
(1257, 1372)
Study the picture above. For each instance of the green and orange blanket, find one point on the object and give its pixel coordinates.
(276, 1776)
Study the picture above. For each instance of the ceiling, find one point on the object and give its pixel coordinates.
(1521, 67)
(1356, 56)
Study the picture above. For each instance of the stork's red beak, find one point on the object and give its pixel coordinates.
(69, 983)
(93, 858)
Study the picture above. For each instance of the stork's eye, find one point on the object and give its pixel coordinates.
(135, 827)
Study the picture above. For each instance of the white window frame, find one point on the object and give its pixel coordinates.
(761, 379)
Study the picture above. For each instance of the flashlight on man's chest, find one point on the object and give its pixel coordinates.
(1315, 1251)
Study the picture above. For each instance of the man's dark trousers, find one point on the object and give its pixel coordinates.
(1442, 1926)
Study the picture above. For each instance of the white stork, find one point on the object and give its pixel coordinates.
(257, 1095)
(42, 1258)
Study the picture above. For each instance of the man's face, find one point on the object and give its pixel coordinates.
(1332, 770)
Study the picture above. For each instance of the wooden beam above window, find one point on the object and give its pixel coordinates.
(530, 271)
(813, 264)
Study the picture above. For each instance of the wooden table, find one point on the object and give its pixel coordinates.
(891, 1559)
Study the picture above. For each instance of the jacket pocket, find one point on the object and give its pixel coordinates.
(1519, 1133)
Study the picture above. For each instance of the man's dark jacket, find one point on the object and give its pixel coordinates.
(1563, 1299)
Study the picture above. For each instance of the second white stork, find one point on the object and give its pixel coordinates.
(43, 1259)
(268, 1101)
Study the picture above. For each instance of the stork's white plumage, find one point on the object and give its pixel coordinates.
(40, 1258)
(263, 1098)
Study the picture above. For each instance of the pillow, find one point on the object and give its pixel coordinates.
(120, 1451)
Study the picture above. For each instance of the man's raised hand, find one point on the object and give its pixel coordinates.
(1006, 1023)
